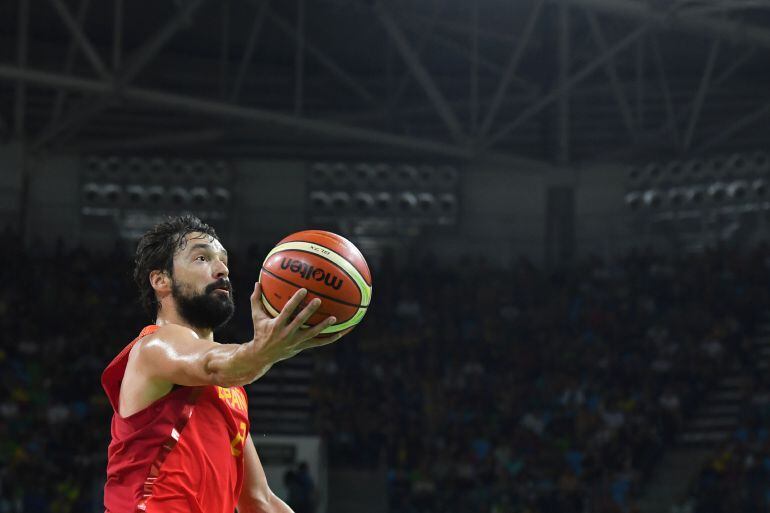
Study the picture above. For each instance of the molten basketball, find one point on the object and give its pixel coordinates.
(329, 266)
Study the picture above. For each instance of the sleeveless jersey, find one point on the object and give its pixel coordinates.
(182, 453)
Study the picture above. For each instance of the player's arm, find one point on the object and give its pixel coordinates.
(174, 354)
(256, 496)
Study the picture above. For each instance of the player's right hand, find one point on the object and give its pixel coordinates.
(282, 337)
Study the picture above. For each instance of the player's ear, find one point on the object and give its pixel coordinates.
(160, 280)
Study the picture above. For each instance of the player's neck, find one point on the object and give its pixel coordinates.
(171, 316)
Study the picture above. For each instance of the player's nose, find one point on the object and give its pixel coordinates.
(221, 270)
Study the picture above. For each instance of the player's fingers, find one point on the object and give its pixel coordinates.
(323, 341)
(290, 307)
(257, 308)
(304, 315)
(316, 330)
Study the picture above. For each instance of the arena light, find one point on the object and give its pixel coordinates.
(759, 188)
(652, 198)
(157, 171)
(320, 174)
(677, 196)
(156, 193)
(363, 174)
(220, 172)
(375, 192)
(200, 196)
(737, 190)
(221, 196)
(635, 175)
(737, 164)
(652, 172)
(694, 168)
(382, 175)
(446, 176)
(673, 170)
(407, 202)
(340, 174)
(320, 201)
(91, 192)
(447, 204)
(760, 162)
(717, 191)
(426, 202)
(340, 200)
(695, 195)
(715, 167)
(384, 202)
(179, 196)
(111, 193)
(426, 176)
(634, 199)
(182, 172)
(136, 194)
(363, 201)
(406, 176)
(136, 166)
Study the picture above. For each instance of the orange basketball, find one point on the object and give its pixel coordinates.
(329, 266)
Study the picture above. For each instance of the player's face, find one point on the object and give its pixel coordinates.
(201, 285)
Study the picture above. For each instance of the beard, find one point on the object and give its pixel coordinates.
(207, 310)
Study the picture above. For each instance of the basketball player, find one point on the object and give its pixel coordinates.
(180, 427)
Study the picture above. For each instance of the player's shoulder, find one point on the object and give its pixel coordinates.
(164, 338)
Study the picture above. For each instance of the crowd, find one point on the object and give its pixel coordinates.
(737, 477)
(519, 390)
(479, 388)
(63, 315)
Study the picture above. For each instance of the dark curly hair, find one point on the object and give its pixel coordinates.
(156, 250)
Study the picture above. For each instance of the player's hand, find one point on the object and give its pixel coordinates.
(282, 337)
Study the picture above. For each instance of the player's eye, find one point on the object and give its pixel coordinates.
(202, 258)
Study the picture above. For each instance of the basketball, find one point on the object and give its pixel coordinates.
(329, 266)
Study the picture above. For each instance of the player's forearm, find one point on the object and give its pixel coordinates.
(268, 504)
(235, 364)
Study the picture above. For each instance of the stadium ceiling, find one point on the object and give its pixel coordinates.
(518, 81)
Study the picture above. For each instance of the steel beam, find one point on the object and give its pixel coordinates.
(474, 67)
(639, 71)
(459, 48)
(261, 116)
(651, 14)
(701, 95)
(510, 67)
(251, 43)
(323, 59)
(557, 92)
(670, 127)
(149, 50)
(420, 73)
(665, 90)
(117, 35)
(19, 111)
(299, 60)
(69, 61)
(80, 38)
(735, 127)
(562, 78)
(134, 65)
(609, 69)
(224, 53)
(424, 35)
(460, 29)
(161, 140)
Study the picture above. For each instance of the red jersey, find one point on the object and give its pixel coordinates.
(182, 453)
